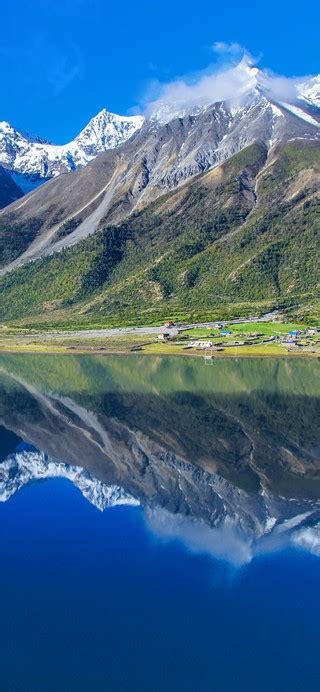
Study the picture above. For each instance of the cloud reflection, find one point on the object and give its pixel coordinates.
(230, 543)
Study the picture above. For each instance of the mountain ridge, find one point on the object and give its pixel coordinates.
(37, 159)
(245, 457)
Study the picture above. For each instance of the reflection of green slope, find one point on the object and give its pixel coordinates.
(250, 420)
(138, 373)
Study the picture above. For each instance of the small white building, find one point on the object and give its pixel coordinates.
(312, 331)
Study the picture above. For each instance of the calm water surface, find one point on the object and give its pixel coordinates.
(159, 524)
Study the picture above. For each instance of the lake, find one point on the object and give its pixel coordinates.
(160, 524)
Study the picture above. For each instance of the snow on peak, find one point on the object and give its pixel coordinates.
(106, 131)
(32, 157)
(310, 91)
(238, 87)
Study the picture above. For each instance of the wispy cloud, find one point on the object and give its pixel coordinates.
(279, 87)
(226, 542)
(211, 85)
(232, 75)
(64, 68)
(47, 66)
(222, 48)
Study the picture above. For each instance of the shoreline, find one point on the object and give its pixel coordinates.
(252, 352)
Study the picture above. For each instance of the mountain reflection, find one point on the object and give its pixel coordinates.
(225, 457)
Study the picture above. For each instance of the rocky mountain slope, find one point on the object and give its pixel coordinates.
(35, 159)
(309, 91)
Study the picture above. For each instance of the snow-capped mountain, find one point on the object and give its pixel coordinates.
(189, 101)
(23, 467)
(180, 138)
(237, 87)
(37, 159)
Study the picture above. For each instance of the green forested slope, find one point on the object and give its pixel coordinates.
(245, 233)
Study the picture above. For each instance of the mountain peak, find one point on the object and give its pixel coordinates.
(104, 114)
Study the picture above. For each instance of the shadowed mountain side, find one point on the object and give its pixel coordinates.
(9, 190)
(104, 434)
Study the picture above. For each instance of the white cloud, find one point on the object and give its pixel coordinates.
(278, 87)
(227, 81)
(184, 94)
(229, 542)
(309, 539)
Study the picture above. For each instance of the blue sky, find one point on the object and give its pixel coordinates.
(63, 61)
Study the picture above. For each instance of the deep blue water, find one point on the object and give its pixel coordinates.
(93, 601)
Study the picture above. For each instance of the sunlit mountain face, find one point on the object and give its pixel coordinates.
(223, 457)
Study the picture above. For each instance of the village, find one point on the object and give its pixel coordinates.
(219, 337)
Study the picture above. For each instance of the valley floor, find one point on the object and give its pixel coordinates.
(254, 337)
